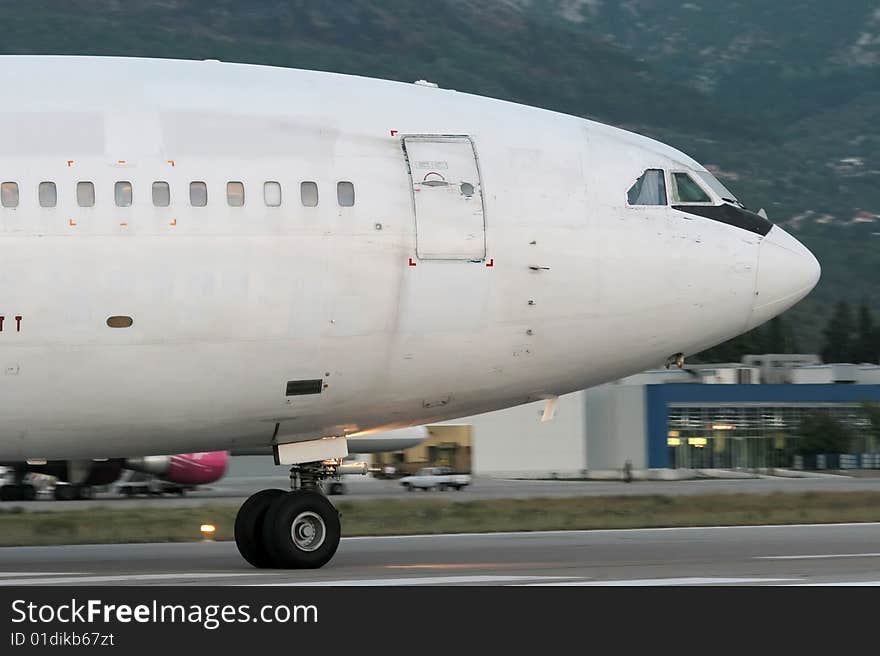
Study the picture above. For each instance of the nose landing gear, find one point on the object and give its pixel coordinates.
(292, 530)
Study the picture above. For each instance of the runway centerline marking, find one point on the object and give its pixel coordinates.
(690, 580)
(356, 538)
(415, 580)
(820, 556)
(453, 566)
(844, 584)
(136, 578)
(25, 574)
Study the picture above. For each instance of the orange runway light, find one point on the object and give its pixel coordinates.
(208, 531)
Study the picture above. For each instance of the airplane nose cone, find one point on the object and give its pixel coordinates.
(787, 272)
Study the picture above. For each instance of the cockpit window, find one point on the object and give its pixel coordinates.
(686, 190)
(649, 189)
(715, 185)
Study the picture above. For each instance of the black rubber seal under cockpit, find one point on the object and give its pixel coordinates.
(730, 215)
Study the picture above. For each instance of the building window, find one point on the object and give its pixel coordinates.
(47, 193)
(345, 194)
(198, 194)
(85, 194)
(161, 194)
(308, 192)
(9, 194)
(122, 193)
(235, 194)
(272, 194)
(649, 189)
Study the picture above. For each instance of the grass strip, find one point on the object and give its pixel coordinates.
(106, 524)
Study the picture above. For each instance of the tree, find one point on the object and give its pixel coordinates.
(820, 432)
(872, 412)
(838, 334)
(865, 348)
(776, 336)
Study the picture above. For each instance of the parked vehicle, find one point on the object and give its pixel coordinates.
(435, 478)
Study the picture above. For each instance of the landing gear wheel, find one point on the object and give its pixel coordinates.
(64, 493)
(336, 488)
(28, 492)
(301, 530)
(10, 493)
(84, 492)
(249, 527)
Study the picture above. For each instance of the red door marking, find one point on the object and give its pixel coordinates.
(411, 263)
(491, 262)
(18, 323)
(1, 324)
(394, 133)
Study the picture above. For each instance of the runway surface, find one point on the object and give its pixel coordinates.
(234, 490)
(837, 554)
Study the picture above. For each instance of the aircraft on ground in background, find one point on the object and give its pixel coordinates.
(77, 479)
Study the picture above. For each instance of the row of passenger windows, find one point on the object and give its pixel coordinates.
(650, 189)
(123, 194)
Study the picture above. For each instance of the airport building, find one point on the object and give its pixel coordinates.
(728, 416)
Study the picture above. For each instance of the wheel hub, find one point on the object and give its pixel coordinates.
(308, 531)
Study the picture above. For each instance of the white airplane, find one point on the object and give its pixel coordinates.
(203, 256)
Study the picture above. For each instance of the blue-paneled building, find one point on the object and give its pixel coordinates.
(708, 418)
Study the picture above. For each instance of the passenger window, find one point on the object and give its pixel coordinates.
(272, 194)
(161, 194)
(308, 192)
(85, 194)
(345, 194)
(649, 189)
(686, 190)
(198, 194)
(47, 193)
(235, 194)
(9, 194)
(123, 194)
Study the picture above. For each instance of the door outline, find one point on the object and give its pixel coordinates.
(444, 138)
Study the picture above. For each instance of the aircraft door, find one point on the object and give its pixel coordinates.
(447, 197)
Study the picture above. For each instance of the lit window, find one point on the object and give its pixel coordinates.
(161, 194)
(198, 194)
(123, 194)
(9, 194)
(235, 194)
(649, 189)
(345, 194)
(686, 190)
(48, 194)
(85, 194)
(309, 193)
(272, 194)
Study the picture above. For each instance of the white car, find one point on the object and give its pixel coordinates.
(435, 478)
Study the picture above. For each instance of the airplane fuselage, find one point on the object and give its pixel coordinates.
(261, 323)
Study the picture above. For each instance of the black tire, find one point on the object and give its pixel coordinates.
(308, 514)
(28, 492)
(9, 493)
(249, 527)
(407, 487)
(64, 493)
(128, 491)
(83, 492)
